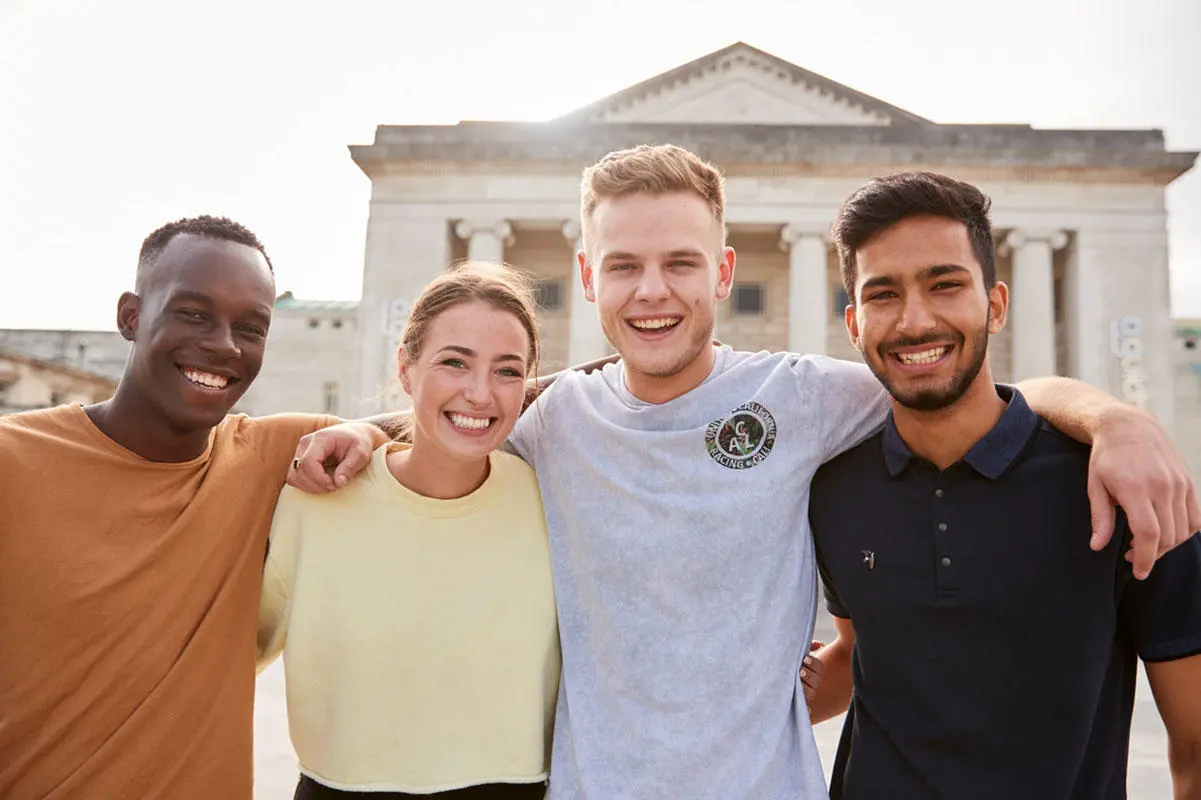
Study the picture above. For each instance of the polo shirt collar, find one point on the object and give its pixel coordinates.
(992, 455)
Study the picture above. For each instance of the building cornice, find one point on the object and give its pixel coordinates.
(1017, 152)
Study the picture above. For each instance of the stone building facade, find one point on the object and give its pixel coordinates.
(1080, 218)
(28, 383)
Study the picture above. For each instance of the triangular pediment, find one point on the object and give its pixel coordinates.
(743, 85)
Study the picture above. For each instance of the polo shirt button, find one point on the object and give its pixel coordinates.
(942, 527)
(946, 562)
(938, 492)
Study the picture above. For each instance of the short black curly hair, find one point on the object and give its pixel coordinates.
(204, 225)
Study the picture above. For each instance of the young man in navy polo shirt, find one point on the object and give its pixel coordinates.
(992, 654)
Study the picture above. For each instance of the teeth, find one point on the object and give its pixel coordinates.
(206, 378)
(924, 357)
(654, 324)
(470, 423)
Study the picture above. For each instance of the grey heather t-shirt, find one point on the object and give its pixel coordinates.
(684, 573)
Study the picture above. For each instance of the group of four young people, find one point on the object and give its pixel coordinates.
(653, 527)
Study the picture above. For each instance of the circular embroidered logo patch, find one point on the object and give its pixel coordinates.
(743, 439)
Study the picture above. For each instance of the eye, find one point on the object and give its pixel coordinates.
(620, 267)
(456, 363)
(191, 315)
(253, 331)
(684, 264)
(510, 372)
(886, 295)
(943, 285)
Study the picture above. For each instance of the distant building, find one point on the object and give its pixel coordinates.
(1080, 218)
(28, 383)
(1187, 362)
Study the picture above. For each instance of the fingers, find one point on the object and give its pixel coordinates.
(1145, 530)
(352, 463)
(1103, 514)
(308, 468)
(1194, 509)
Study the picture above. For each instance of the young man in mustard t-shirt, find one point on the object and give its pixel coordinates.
(133, 539)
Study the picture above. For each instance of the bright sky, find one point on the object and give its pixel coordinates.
(116, 117)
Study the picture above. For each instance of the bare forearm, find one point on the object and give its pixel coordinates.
(1184, 759)
(389, 426)
(834, 692)
(1074, 407)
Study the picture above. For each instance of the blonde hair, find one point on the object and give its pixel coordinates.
(500, 286)
(655, 170)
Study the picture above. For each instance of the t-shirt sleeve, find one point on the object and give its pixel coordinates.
(523, 441)
(851, 403)
(1162, 614)
(276, 437)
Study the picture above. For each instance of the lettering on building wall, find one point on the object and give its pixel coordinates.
(1126, 344)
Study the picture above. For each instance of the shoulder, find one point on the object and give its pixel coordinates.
(1050, 448)
(852, 463)
(514, 471)
(45, 428)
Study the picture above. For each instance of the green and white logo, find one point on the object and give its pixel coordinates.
(743, 439)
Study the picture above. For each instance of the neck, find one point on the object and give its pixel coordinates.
(945, 436)
(656, 389)
(138, 427)
(420, 469)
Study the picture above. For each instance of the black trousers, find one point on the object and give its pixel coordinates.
(309, 789)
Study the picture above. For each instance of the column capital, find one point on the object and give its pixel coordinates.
(793, 232)
(571, 231)
(501, 229)
(1019, 237)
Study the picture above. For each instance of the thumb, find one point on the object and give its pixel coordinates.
(1102, 511)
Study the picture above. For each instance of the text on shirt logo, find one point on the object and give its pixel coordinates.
(742, 439)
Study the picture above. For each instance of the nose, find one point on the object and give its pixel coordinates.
(220, 343)
(917, 317)
(651, 285)
(478, 390)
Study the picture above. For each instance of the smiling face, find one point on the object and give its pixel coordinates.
(922, 315)
(467, 382)
(199, 326)
(655, 267)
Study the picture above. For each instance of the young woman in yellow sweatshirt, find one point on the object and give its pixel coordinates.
(414, 608)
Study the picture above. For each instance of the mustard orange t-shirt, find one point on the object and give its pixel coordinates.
(129, 595)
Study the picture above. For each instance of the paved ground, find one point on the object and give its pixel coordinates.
(275, 763)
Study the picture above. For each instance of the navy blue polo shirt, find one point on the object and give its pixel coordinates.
(995, 653)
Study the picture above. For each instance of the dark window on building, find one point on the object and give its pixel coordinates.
(337, 323)
(841, 301)
(1190, 344)
(548, 294)
(748, 299)
(329, 397)
(313, 323)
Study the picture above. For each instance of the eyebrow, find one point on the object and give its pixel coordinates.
(185, 295)
(936, 271)
(687, 252)
(467, 351)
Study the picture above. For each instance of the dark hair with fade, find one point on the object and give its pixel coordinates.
(883, 202)
(204, 225)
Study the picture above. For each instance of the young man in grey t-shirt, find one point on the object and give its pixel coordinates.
(676, 483)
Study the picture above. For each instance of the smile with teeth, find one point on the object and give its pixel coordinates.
(206, 379)
(470, 423)
(923, 357)
(656, 324)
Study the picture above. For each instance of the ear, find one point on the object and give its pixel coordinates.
(403, 368)
(586, 276)
(850, 317)
(129, 309)
(725, 272)
(998, 307)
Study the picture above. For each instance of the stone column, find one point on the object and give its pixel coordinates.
(585, 340)
(808, 288)
(486, 239)
(1032, 304)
